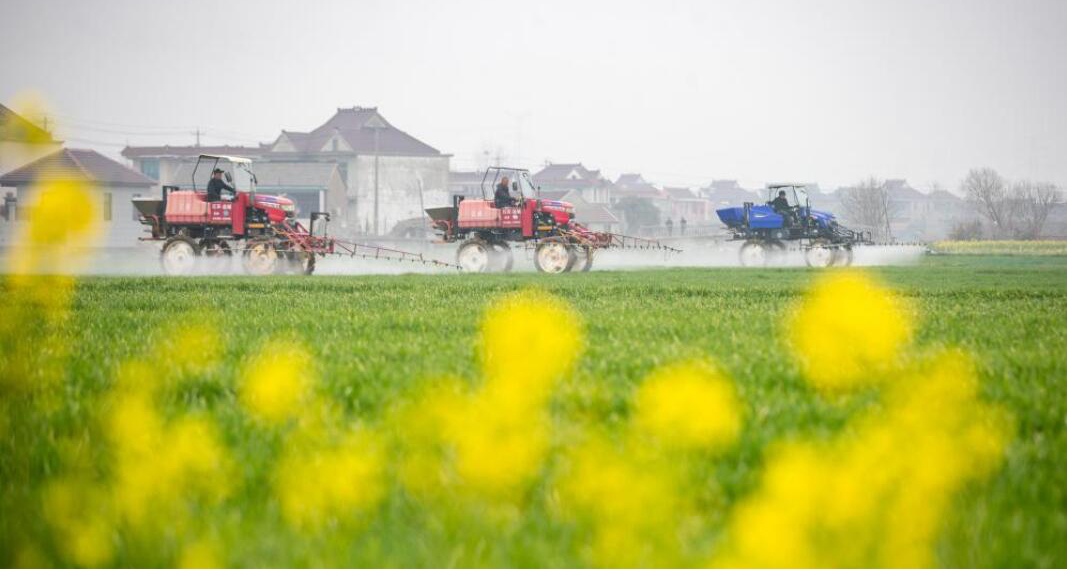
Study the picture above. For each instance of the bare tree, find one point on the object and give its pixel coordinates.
(1032, 202)
(867, 205)
(988, 193)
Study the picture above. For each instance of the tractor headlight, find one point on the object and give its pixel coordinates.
(288, 207)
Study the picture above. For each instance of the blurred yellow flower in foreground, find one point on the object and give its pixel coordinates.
(499, 433)
(201, 554)
(78, 513)
(528, 340)
(688, 405)
(321, 485)
(847, 330)
(276, 383)
(61, 226)
(632, 501)
(876, 495)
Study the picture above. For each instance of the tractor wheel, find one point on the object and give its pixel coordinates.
(261, 257)
(179, 256)
(474, 256)
(843, 257)
(218, 256)
(501, 258)
(753, 253)
(554, 255)
(819, 255)
(585, 259)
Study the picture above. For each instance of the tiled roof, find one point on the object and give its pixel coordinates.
(357, 126)
(15, 127)
(69, 163)
(630, 179)
(559, 173)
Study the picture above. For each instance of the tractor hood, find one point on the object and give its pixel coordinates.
(556, 205)
(265, 201)
(822, 217)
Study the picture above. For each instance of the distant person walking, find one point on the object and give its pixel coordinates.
(670, 227)
(681, 227)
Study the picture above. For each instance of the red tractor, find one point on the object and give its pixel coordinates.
(261, 228)
(487, 228)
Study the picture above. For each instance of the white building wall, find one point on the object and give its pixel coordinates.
(121, 231)
(400, 181)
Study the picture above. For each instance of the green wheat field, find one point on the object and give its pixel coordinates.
(371, 343)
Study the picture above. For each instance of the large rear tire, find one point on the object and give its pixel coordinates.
(554, 255)
(474, 256)
(584, 255)
(179, 257)
(261, 257)
(819, 255)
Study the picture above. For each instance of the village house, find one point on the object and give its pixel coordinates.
(686, 205)
(388, 175)
(21, 142)
(590, 184)
(115, 186)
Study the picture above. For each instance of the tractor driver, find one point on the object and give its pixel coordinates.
(780, 205)
(502, 197)
(216, 186)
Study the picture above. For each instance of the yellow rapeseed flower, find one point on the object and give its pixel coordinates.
(688, 405)
(847, 330)
(318, 486)
(201, 554)
(277, 381)
(632, 503)
(875, 496)
(528, 340)
(77, 512)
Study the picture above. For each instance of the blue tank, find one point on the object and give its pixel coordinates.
(764, 217)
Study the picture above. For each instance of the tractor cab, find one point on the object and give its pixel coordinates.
(797, 195)
(520, 187)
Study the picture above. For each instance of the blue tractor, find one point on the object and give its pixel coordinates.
(787, 217)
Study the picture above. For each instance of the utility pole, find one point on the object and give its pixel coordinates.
(197, 137)
(376, 131)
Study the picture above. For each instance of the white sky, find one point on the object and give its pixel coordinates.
(827, 91)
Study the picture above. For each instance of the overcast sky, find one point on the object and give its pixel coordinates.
(684, 91)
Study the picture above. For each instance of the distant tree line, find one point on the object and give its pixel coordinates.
(867, 205)
(1015, 210)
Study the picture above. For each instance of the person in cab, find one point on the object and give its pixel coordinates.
(502, 196)
(216, 186)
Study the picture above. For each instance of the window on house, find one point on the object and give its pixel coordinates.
(150, 168)
(133, 208)
(107, 206)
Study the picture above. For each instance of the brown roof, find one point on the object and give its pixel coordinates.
(226, 150)
(69, 163)
(14, 127)
(357, 126)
